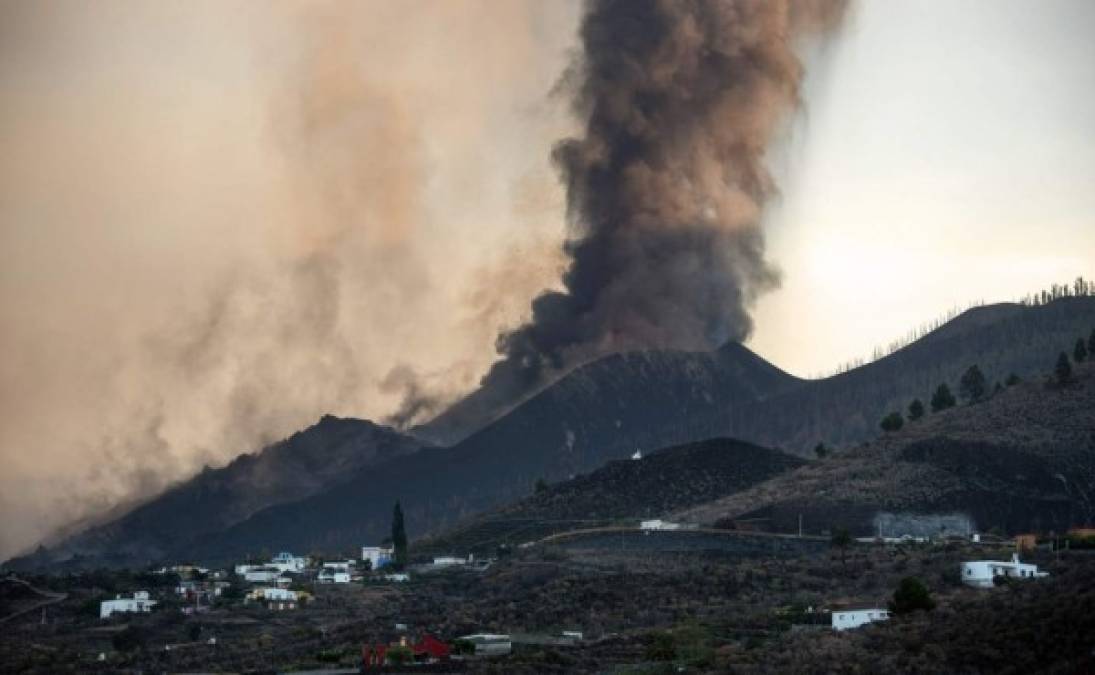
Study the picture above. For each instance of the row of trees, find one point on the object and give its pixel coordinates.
(1080, 353)
(973, 386)
(1080, 287)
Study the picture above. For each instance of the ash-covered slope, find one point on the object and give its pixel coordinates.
(600, 412)
(664, 481)
(1022, 460)
(307, 463)
(608, 409)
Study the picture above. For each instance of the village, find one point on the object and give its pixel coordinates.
(371, 612)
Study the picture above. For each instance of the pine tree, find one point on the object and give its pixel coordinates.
(821, 451)
(972, 385)
(1080, 352)
(942, 398)
(1063, 369)
(916, 410)
(399, 538)
(1091, 342)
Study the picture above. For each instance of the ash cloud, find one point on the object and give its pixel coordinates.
(218, 224)
(666, 187)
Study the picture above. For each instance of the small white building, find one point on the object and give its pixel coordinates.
(637, 456)
(398, 577)
(449, 560)
(982, 573)
(261, 575)
(339, 565)
(488, 644)
(287, 562)
(854, 618)
(378, 556)
(330, 576)
(275, 598)
(658, 525)
(138, 603)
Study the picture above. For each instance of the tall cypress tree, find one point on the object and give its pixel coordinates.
(399, 537)
(1079, 354)
(1063, 369)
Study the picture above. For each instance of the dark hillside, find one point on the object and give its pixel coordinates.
(845, 409)
(600, 412)
(1023, 460)
(664, 481)
(308, 462)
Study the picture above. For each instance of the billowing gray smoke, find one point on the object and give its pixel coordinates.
(666, 188)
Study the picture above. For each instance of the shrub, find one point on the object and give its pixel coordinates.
(916, 410)
(132, 639)
(911, 595)
(399, 655)
(892, 422)
(661, 647)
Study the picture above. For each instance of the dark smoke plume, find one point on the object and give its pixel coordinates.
(666, 188)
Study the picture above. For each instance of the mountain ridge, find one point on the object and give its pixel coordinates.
(607, 409)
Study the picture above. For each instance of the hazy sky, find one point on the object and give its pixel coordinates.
(220, 220)
(947, 156)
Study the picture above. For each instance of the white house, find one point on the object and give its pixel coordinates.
(658, 525)
(330, 576)
(487, 644)
(854, 618)
(287, 562)
(339, 565)
(981, 573)
(398, 577)
(276, 598)
(450, 560)
(138, 603)
(378, 556)
(261, 575)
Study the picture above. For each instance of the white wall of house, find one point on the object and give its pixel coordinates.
(488, 644)
(273, 594)
(854, 618)
(658, 525)
(378, 556)
(261, 575)
(138, 603)
(982, 573)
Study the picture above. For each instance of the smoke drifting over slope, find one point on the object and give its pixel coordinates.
(665, 188)
(218, 224)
